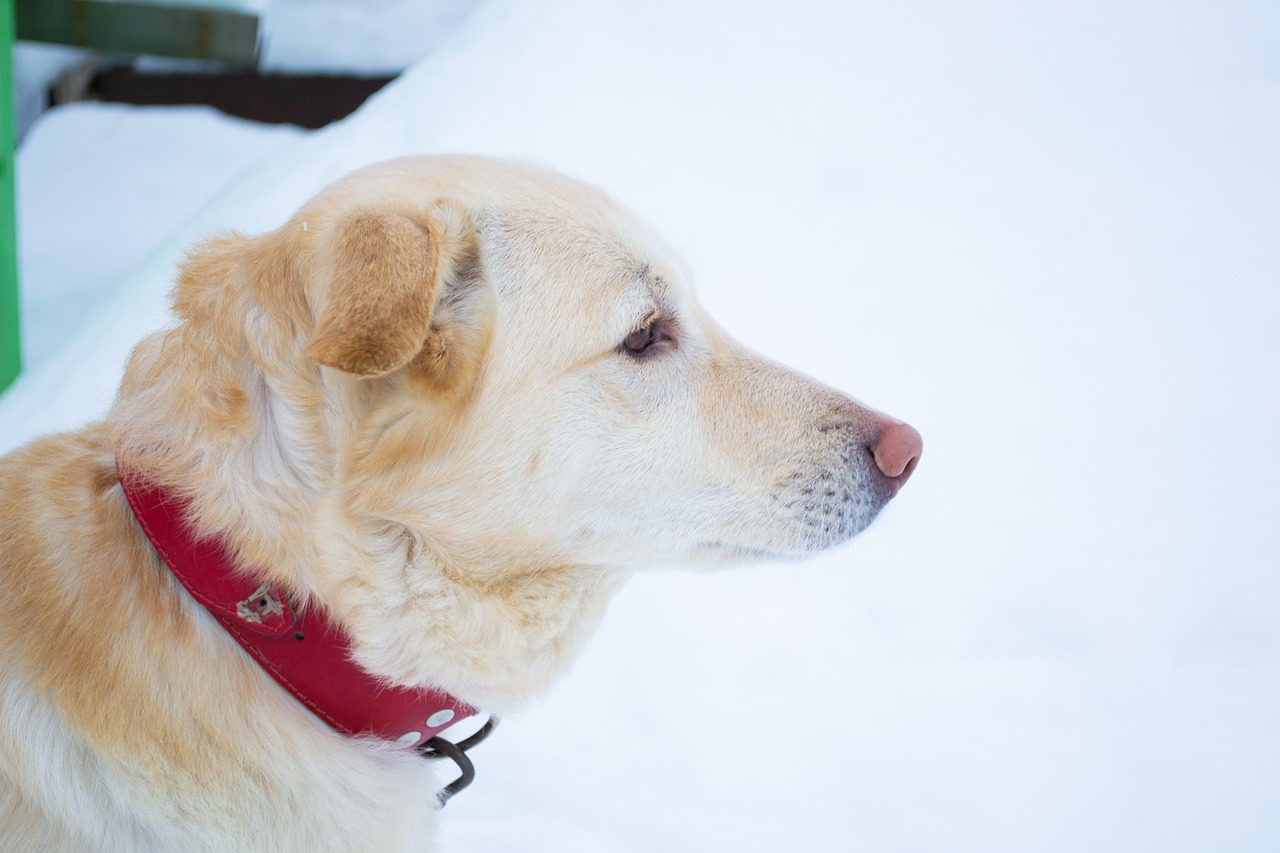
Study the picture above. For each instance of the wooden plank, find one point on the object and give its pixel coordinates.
(187, 32)
(10, 326)
(307, 100)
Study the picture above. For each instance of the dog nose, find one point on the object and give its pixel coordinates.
(896, 451)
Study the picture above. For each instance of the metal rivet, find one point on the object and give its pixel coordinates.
(409, 738)
(439, 718)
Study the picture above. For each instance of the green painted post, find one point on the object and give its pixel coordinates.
(223, 35)
(10, 339)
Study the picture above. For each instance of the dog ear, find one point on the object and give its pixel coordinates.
(387, 273)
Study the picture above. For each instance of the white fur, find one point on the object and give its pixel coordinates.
(467, 534)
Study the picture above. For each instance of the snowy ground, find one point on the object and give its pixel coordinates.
(1044, 235)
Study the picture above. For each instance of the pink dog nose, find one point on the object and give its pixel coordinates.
(897, 450)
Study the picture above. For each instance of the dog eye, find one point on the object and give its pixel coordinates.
(638, 341)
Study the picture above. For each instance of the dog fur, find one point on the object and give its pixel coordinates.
(411, 406)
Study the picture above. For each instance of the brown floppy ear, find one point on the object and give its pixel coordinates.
(387, 268)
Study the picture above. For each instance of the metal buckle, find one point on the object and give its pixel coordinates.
(438, 747)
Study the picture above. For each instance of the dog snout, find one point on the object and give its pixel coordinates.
(896, 449)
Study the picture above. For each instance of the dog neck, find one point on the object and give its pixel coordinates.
(481, 624)
(300, 647)
(418, 613)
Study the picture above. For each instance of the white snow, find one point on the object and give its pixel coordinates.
(1043, 234)
(75, 245)
(367, 37)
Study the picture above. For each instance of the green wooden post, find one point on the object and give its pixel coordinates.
(222, 35)
(10, 339)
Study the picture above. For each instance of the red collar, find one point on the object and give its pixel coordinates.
(306, 652)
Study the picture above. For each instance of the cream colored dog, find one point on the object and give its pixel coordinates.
(454, 403)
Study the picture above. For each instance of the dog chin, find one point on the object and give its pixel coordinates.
(728, 552)
(810, 541)
(719, 553)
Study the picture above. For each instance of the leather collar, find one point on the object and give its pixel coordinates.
(304, 650)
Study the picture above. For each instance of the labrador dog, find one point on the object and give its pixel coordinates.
(443, 413)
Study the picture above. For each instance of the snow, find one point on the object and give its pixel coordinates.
(1044, 235)
(376, 36)
(76, 244)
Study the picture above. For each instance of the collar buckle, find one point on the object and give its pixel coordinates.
(438, 747)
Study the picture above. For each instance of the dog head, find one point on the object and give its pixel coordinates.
(595, 413)
(483, 394)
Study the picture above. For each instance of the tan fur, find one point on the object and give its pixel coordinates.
(409, 405)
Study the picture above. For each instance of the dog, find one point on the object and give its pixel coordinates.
(443, 413)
